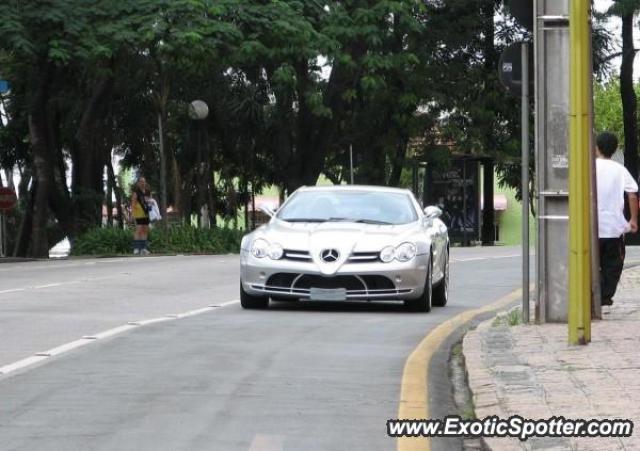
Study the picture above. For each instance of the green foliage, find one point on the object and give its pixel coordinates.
(171, 240)
(291, 85)
(103, 241)
(607, 107)
(511, 318)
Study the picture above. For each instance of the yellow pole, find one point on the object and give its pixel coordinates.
(579, 185)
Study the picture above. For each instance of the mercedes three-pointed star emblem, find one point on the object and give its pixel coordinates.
(329, 255)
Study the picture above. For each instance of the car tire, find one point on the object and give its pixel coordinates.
(248, 301)
(423, 303)
(441, 291)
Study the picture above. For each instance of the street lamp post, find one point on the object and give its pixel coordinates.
(199, 111)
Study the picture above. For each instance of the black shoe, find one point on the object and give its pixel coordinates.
(607, 302)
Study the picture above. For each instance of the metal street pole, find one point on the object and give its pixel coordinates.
(351, 161)
(596, 307)
(525, 182)
(2, 246)
(579, 176)
(163, 168)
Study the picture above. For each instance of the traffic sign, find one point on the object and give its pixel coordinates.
(510, 68)
(4, 86)
(8, 199)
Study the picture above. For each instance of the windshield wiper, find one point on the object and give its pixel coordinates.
(372, 221)
(361, 221)
(303, 220)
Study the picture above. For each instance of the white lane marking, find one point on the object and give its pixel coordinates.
(60, 284)
(21, 364)
(50, 285)
(12, 290)
(195, 312)
(52, 264)
(224, 304)
(114, 331)
(88, 339)
(267, 442)
(146, 322)
(65, 347)
(475, 259)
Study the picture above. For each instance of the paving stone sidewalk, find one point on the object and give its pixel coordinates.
(531, 371)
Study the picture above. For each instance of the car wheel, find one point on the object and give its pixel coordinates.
(423, 303)
(248, 301)
(441, 292)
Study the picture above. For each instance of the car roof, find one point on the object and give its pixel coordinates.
(370, 188)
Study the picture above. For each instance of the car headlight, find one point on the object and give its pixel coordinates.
(262, 248)
(275, 251)
(405, 252)
(259, 248)
(387, 254)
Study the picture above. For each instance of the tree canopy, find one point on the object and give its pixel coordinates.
(291, 86)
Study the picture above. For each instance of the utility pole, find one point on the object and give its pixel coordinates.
(525, 181)
(580, 155)
(552, 57)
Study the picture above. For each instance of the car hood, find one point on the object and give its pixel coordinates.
(345, 237)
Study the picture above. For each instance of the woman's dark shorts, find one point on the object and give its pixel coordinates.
(142, 221)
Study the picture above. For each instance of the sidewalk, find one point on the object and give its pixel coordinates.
(531, 371)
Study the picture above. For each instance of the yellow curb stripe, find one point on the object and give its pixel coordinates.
(414, 392)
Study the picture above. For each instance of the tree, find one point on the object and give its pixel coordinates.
(627, 10)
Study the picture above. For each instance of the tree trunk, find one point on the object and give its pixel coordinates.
(398, 163)
(117, 191)
(211, 187)
(488, 213)
(88, 158)
(43, 171)
(176, 184)
(59, 199)
(163, 161)
(629, 100)
(109, 202)
(25, 230)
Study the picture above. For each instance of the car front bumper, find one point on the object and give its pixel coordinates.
(360, 281)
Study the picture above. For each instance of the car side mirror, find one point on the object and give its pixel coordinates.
(267, 211)
(432, 212)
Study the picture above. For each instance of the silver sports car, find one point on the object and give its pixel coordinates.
(348, 243)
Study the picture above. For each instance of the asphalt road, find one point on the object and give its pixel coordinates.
(294, 377)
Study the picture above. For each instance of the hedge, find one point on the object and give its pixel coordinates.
(176, 239)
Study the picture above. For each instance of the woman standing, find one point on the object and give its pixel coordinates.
(140, 212)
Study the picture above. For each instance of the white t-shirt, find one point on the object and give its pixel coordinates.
(613, 181)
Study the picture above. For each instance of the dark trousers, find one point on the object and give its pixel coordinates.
(612, 254)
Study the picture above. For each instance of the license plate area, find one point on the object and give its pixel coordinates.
(328, 294)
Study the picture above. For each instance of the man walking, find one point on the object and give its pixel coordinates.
(613, 181)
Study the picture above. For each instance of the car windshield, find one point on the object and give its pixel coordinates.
(372, 207)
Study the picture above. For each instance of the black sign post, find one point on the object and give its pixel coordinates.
(514, 71)
(510, 68)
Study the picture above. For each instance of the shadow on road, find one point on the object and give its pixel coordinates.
(340, 307)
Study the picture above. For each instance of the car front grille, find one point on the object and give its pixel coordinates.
(357, 286)
(355, 257)
(298, 256)
(364, 257)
